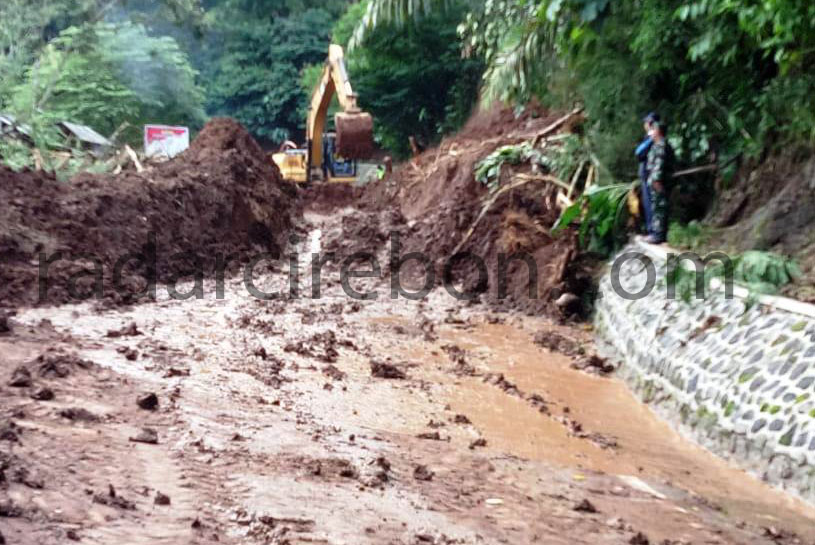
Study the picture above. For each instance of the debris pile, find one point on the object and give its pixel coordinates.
(507, 255)
(220, 197)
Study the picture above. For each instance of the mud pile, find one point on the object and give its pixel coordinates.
(219, 198)
(439, 201)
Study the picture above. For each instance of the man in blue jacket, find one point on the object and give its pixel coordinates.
(642, 156)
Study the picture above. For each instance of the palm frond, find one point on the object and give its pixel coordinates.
(393, 12)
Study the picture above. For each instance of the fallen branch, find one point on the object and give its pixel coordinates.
(563, 200)
(134, 158)
(705, 168)
(118, 131)
(556, 125)
(38, 162)
(575, 178)
(523, 180)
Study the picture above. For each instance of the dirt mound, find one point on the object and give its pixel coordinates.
(771, 206)
(508, 257)
(219, 198)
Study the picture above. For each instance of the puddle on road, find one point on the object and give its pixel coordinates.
(648, 447)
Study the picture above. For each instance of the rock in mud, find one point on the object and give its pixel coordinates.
(20, 378)
(386, 370)
(430, 435)
(113, 500)
(129, 353)
(461, 419)
(130, 330)
(639, 539)
(593, 364)
(58, 364)
(5, 325)
(422, 473)
(146, 435)
(27, 477)
(480, 442)
(537, 401)
(162, 499)
(557, 342)
(43, 394)
(501, 381)
(79, 414)
(333, 372)
(568, 302)
(148, 402)
(585, 506)
(9, 509)
(10, 431)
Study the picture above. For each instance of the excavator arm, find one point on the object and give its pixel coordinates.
(354, 127)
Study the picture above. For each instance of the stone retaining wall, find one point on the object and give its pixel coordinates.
(736, 375)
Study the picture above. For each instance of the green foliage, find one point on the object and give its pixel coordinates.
(561, 159)
(107, 74)
(692, 236)
(256, 76)
(730, 74)
(413, 80)
(765, 272)
(601, 211)
(759, 272)
(564, 156)
(344, 27)
(26, 25)
(15, 154)
(488, 170)
(395, 13)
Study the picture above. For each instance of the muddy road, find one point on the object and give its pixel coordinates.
(341, 421)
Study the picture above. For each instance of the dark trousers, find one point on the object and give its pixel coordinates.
(659, 214)
(645, 192)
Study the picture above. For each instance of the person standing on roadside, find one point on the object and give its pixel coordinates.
(658, 167)
(642, 156)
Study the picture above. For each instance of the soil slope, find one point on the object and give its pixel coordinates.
(433, 201)
(219, 197)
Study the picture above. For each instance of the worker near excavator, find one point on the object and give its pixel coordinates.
(642, 156)
(658, 168)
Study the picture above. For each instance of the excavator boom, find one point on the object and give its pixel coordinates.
(336, 155)
(354, 127)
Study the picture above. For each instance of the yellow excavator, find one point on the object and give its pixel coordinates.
(330, 156)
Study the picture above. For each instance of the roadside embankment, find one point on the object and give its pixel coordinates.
(737, 374)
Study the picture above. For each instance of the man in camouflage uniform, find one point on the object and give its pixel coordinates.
(658, 168)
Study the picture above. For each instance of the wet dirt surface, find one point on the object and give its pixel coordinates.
(342, 421)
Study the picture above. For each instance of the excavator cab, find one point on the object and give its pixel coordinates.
(331, 156)
(335, 167)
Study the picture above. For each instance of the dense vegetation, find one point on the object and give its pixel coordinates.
(106, 63)
(731, 76)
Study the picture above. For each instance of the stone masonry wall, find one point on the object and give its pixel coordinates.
(737, 376)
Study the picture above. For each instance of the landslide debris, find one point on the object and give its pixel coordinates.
(430, 205)
(220, 197)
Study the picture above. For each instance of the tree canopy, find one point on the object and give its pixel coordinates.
(731, 76)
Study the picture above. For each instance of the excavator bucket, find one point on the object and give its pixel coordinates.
(355, 134)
